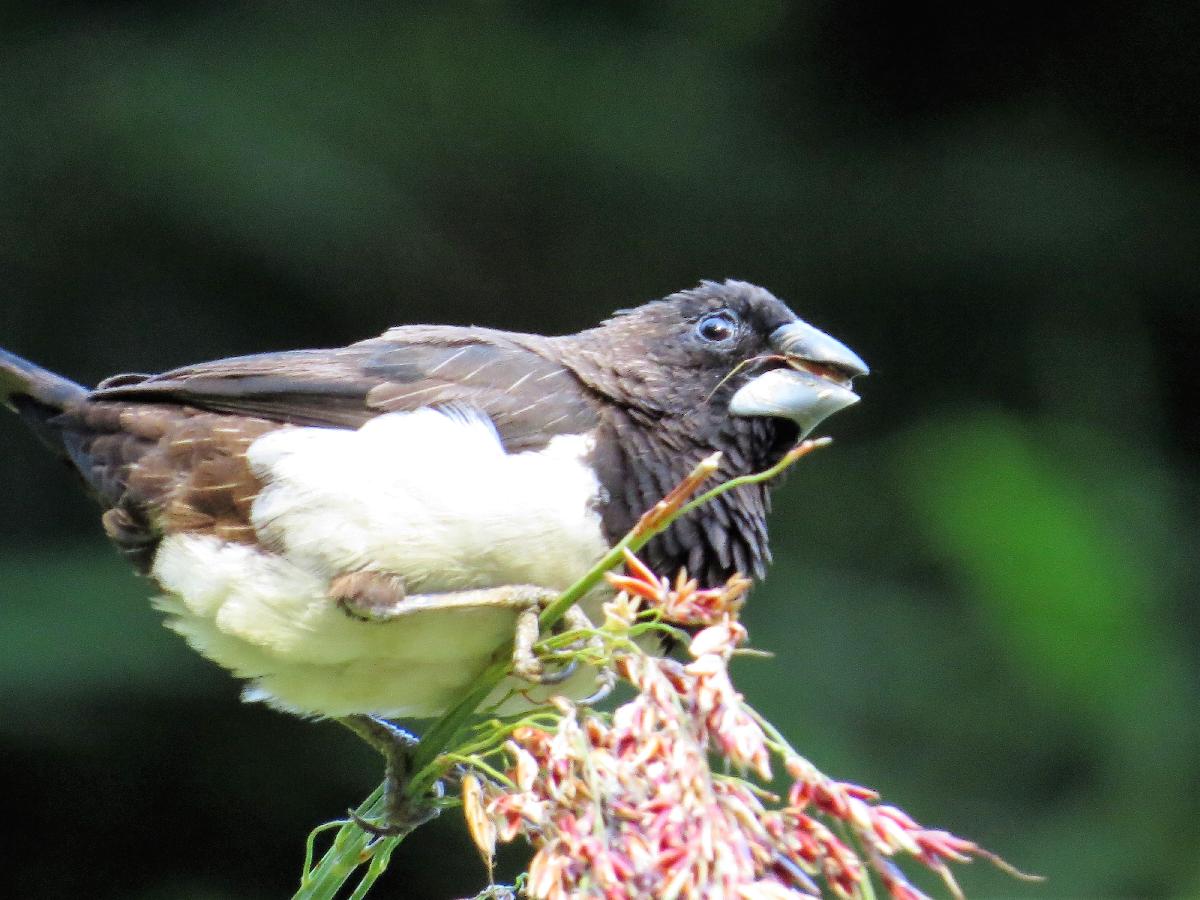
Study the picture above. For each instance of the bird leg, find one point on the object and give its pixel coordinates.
(371, 596)
(401, 814)
(367, 595)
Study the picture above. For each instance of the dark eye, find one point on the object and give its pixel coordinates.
(717, 327)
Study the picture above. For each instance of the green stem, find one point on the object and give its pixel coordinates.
(351, 847)
(796, 453)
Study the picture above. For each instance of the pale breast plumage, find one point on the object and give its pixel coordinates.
(431, 496)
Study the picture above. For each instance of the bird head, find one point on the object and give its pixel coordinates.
(726, 349)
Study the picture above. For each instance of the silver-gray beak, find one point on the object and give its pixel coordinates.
(816, 384)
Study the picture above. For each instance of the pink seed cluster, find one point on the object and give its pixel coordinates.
(630, 806)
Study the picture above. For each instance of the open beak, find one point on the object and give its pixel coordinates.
(816, 383)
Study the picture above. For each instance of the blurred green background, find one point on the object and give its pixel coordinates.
(984, 601)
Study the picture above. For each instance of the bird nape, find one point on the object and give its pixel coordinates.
(356, 530)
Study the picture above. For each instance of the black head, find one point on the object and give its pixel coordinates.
(701, 354)
(725, 366)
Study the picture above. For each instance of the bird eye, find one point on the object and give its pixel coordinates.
(717, 327)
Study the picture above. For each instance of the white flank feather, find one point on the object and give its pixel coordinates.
(429, 495)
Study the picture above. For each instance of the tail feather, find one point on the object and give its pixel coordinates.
(22, 380)
(37, 395)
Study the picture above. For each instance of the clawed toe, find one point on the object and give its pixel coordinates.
(538, 675)
(400, 816)
(606, 682)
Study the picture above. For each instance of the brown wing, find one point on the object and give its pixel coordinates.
(166, 452)
(515, 379)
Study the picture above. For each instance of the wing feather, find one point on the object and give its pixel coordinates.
(516, 380)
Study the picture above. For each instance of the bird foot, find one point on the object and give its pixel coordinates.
(401, 813)
(400, 817)
(526, 664)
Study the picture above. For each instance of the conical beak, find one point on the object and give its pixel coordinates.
(816, 384)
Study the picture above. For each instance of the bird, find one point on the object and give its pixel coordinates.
(354, 531)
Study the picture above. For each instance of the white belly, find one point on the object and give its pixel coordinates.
(428, 495)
